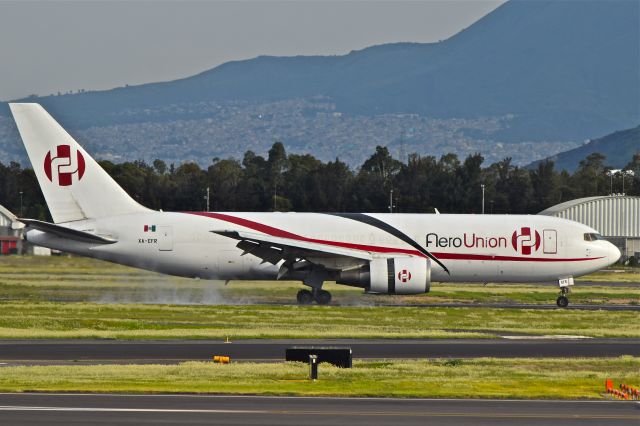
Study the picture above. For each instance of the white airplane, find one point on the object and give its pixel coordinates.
(381, 253)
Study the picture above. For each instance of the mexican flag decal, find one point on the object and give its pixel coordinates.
(149, 228)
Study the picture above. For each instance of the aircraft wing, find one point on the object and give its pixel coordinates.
(274, 249)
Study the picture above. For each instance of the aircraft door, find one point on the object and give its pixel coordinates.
(165, 238)
(550, 241)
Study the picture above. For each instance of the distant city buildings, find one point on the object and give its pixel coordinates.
(204, 130)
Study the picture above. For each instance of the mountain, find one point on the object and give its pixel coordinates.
(549, 73)
(618, 147)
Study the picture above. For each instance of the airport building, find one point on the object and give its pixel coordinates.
(615, 217)
(11, 241)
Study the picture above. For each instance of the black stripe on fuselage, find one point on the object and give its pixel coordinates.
(369, 220)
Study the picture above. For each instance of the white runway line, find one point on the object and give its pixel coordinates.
(547, 337)
(126, 410)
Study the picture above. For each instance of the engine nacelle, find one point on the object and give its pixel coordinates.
(400, 275)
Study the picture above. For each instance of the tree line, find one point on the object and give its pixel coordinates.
(294, 182)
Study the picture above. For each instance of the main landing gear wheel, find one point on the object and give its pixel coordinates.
(322, 297)
(304, 297)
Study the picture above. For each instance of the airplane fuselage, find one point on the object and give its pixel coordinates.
(473, 248)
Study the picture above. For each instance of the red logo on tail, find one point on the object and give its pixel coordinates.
(64, 165)
(525, 240)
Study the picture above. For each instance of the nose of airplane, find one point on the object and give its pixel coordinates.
(614, 253)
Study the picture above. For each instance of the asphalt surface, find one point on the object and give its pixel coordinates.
(99, 409)
(515, 306)
(60, 351)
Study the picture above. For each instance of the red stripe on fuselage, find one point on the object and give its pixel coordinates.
(465, 256)
(275, 232)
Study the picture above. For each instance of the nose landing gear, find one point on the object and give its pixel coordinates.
(563, 300)
(306, 297)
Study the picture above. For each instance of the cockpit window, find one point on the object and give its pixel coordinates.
(591, 236)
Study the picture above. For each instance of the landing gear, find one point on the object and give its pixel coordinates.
(304, 297)
(563, 301)
(321, 297)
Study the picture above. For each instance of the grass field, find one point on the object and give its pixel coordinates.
(482, 377)
(72, 279)
(67, 297)
(135, 321)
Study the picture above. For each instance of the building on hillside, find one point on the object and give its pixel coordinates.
(615, 217)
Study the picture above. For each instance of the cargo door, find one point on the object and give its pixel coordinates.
(165, 238)
(550, 241)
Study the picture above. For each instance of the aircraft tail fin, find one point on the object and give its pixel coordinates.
(74, 185)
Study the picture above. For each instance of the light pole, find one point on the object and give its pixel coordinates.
(207, 197)
(482, 186)
(391, 201)
(21, 204)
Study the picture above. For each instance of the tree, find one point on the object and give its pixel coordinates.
(545, 184)
(471, 175)
(590, 179)
(632, 184)
(277, 164)
(375, 181)
(224, 178)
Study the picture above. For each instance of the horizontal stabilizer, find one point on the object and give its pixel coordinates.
(61, 231)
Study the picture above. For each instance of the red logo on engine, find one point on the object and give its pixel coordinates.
(525, 241)
(404, 275)
(64, 165)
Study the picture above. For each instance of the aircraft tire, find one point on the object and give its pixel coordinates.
(323, 297)
(562, 301)
(304, 297)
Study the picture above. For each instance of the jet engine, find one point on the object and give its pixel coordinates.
(398, 275)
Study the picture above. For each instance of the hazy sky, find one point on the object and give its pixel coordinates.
(51, 46)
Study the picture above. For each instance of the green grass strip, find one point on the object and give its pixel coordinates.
(469, 378)
(134, 321)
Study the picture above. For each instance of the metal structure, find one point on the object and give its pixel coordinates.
(616, 217)
(10, 239)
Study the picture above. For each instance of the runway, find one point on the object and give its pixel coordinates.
(168, 351)
(547, 307)
(97, 409)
